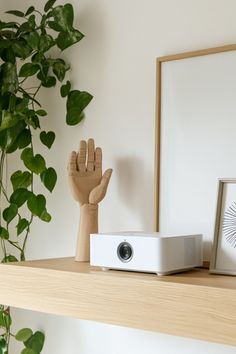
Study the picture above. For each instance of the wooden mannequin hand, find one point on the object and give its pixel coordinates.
(88, 185)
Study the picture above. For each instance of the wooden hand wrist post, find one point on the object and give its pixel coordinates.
(88, 186)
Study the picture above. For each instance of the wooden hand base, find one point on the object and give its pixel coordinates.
(88, 225)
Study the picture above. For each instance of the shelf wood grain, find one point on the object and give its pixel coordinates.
(192, 304)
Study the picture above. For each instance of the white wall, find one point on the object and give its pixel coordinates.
(116, 63)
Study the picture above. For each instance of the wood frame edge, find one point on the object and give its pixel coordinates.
(198, 53)
(212, 268)
(157, 162)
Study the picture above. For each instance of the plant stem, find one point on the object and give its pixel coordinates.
(8, 330)
(39, 87)
(20, 83)
(26, 236)
(32, 190)
(3, 154)
(38, 12)
(15, 245)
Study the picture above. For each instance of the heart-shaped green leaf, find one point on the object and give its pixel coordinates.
(19, 196)
(9, 213)
(30, 10)
(63, 16)
(21, 179)
(49, 4)
(50, 81)
(21, 226)
(45, 43)
(35, 342)
(35, 163)
(31, 22)
(49, 178)
(24, 138)
(9, 136)
(65, 89)
(76, 103)
(28, 69)
(23, 334)
(36, 204)
(32, 38)
(21, 48)
(67, 38)
(59, 69)
(41, 112)
(47, 138)
(4, 234)
(16, 13)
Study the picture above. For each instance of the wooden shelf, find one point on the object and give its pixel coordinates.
(193, 304)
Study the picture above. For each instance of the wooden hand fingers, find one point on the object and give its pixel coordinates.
(81, 158)
(72, 166)
(98, 159)
(91, 155)
(87, 159)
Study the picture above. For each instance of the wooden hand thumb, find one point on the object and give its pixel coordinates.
(99, 192)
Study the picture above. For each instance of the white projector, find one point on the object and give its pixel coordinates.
(146, 252)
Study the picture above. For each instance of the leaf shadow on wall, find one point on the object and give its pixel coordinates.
(135, 189)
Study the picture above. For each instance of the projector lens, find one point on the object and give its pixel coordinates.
(125, 252)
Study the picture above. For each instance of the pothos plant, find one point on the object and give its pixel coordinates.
(26, 66)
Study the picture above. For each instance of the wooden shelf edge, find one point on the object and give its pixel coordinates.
(192, 304)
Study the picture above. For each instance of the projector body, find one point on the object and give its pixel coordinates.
(146, 252)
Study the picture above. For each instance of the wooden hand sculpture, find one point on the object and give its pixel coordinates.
(88, 187)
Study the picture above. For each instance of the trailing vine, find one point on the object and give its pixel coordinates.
(25, 57)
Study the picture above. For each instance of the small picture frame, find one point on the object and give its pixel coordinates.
(223, 259)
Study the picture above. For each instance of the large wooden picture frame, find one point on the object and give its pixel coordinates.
(158, 129)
